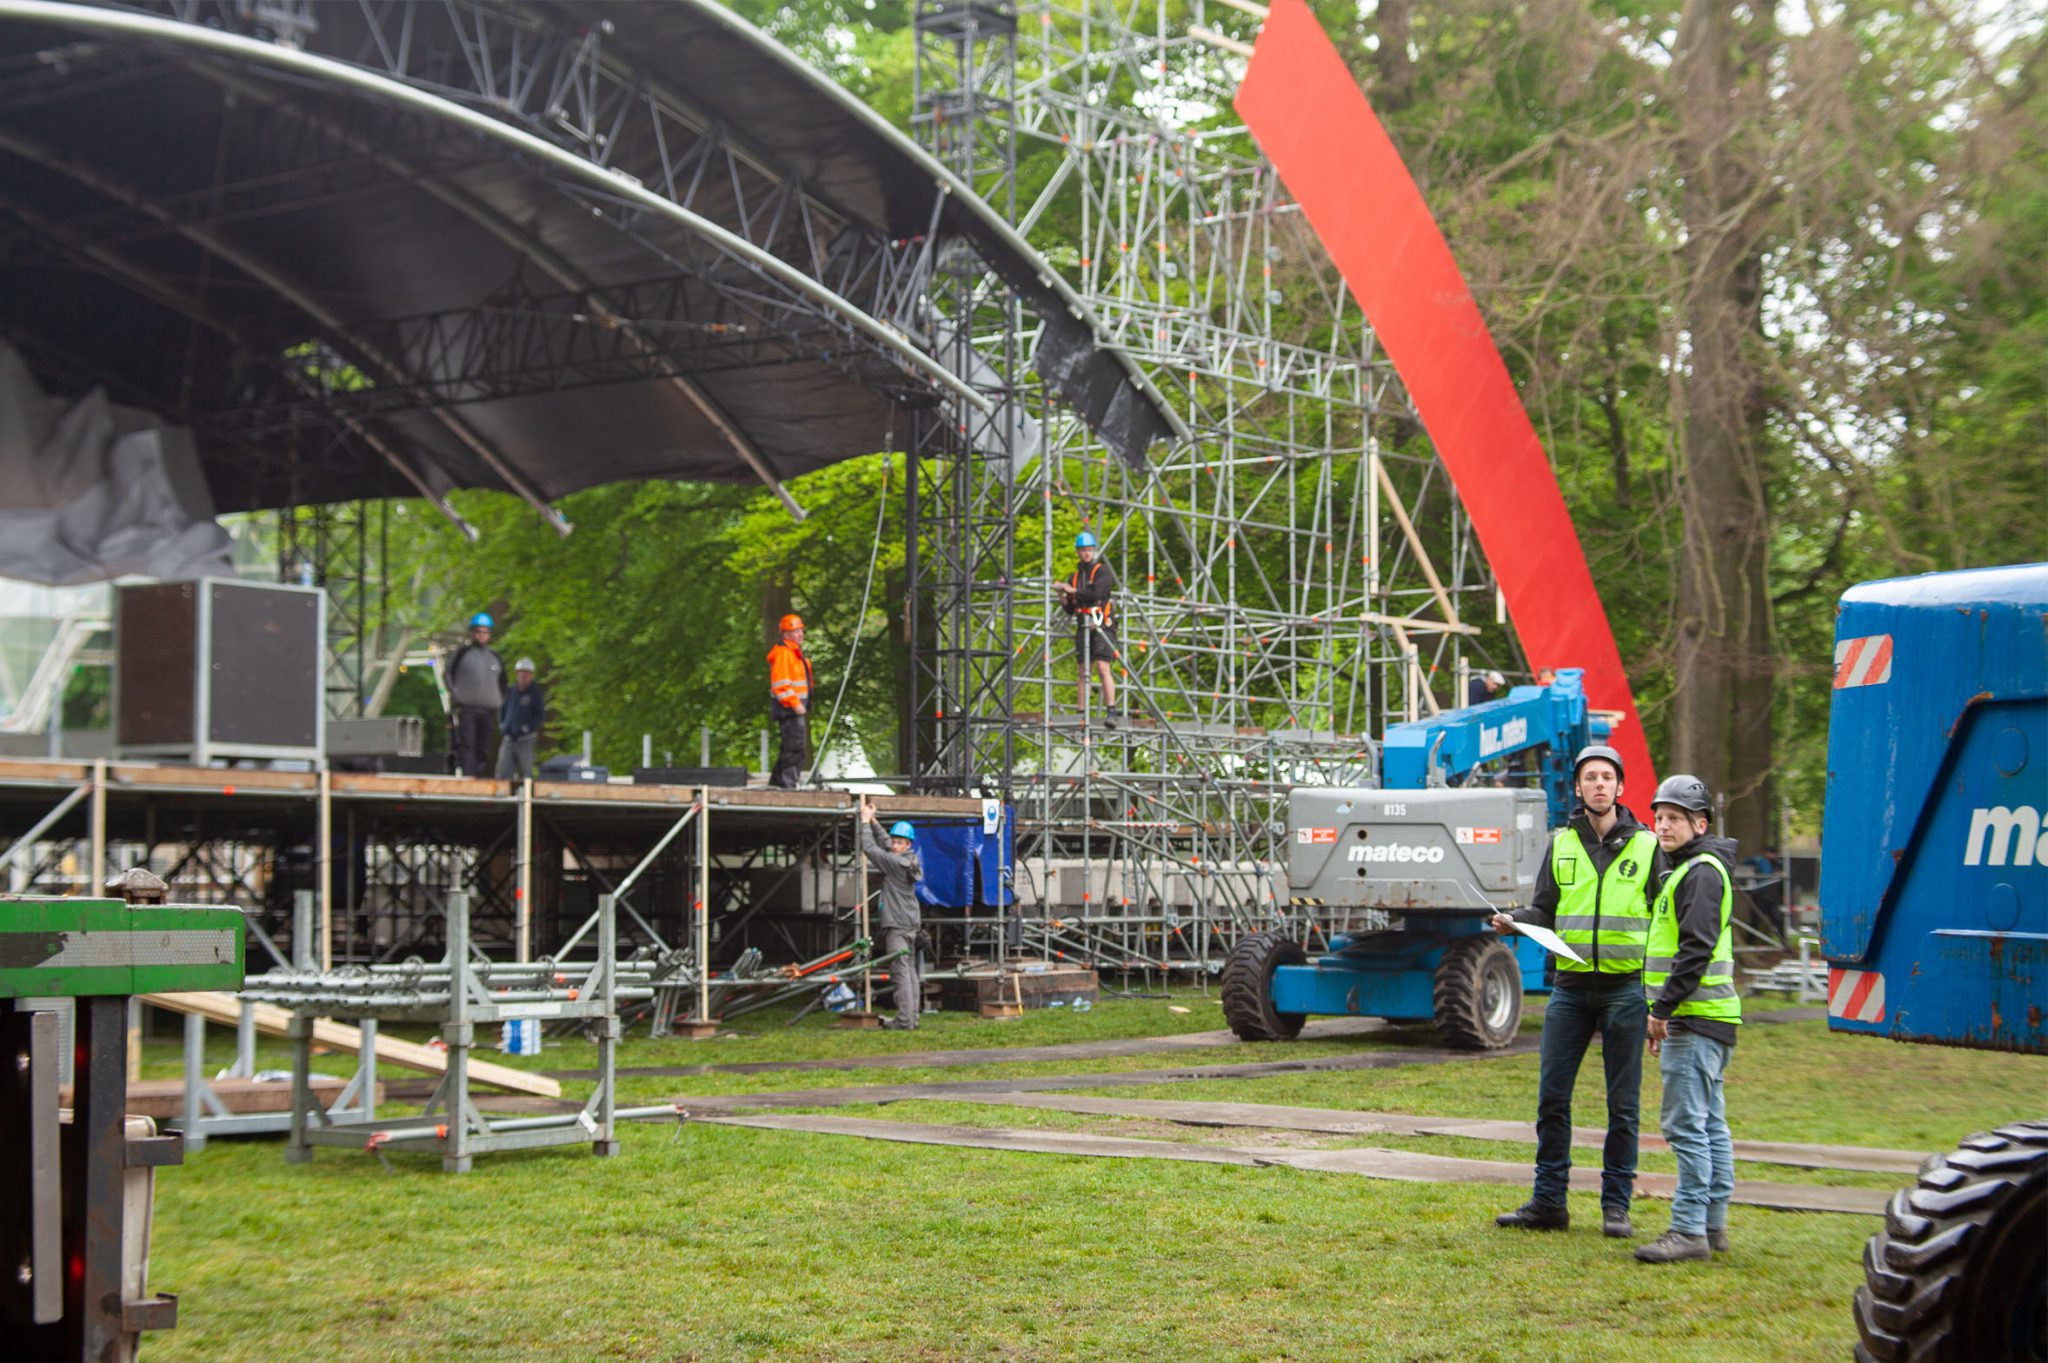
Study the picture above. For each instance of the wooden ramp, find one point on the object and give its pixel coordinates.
(270, 1020)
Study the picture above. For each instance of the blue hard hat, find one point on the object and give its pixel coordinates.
(1084, 540)
(482, 620)
(902, 829)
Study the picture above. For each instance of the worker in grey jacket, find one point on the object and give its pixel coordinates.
(897, 924)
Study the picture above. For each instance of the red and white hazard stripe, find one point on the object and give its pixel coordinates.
(1863, 662)
(1856, 995)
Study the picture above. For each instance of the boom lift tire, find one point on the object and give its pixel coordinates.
(1248, 988)
(1960, 1271)
(1478, 995)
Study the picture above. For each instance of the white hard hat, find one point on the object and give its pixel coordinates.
(523, 665)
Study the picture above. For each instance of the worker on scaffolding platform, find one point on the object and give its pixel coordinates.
(1089, 595)
(789, 700)
(519, 723)
(898, 923)
(474, 676)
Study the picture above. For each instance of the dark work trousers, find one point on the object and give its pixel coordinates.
(473, 726)
(903, 973)
(794, 753)
(1619, 1017)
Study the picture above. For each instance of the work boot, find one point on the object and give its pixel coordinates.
(1534, 1215)
(1615, 1224)
(1717, 1239)
(1674, 1246)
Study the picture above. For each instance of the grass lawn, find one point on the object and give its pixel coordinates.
(719, 1243)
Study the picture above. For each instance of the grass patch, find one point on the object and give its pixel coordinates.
(735, 1244)
(727, 1244)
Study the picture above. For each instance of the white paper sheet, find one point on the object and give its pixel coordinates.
(1549, 941)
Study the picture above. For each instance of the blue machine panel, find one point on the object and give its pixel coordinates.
(1398, 985)
(1934, 864)
(1553, 718)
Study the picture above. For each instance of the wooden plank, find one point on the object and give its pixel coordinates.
(405, 786)
(678, 796)
(1403, 1166)
(34, 770)
(974, 990)
(164, 1099)
(992, 1138)
(212, 779)
(1338, 1121)
(270, 1019)
(1410, 1167)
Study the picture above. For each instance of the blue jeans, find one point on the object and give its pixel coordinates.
(1570, 1022)
(1695, 1122)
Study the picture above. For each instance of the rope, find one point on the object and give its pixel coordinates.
(846, 672)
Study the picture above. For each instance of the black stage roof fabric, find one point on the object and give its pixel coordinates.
(172, 220)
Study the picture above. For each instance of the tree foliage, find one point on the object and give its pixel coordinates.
(1858, 192)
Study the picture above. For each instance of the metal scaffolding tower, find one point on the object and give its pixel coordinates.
(1294, 575)
(342, 548)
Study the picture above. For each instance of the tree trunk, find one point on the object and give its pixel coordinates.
(777, 596)
(1393, 88)
(1721, 699)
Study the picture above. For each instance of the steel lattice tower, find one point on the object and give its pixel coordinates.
(1291, 580)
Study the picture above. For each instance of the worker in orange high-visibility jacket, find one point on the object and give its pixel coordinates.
(789, 700)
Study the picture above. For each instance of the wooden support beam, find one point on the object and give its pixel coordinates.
(1422, 559)
(226, 1009)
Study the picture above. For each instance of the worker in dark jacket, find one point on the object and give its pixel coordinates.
(1484, 687)
(789, 699)
(474, 676)
(1089, 595)
(526, 710)
(1695, 1011)
(1594, 891)
(897, 924)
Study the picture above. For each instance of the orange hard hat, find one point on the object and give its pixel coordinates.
(790, 622)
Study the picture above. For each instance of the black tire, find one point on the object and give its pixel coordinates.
(1960, 1271)
(1248, 988)
(1478, 995)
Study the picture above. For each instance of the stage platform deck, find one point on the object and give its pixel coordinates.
(30, 788)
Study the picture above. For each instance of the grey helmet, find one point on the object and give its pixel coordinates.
(1601, 751)
(1686, 792)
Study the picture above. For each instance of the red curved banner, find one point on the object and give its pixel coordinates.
(1313, 122)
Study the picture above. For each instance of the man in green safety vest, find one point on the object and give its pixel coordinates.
(1689, 980)
(1594, 891)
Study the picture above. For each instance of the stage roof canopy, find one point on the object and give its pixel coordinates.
(387, 249)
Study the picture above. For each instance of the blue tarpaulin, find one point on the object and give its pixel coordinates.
(964, 867)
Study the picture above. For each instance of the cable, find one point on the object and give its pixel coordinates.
(846, 672)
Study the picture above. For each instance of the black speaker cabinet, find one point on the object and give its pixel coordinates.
(218, 668)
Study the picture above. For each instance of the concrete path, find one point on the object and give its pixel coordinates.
(1400, 1165)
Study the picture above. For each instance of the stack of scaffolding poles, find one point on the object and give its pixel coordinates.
(459, 997)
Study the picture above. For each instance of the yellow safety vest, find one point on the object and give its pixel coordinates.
(1716, 996)
(1605, 918)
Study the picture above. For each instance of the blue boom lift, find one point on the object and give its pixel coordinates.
(1404, 877)
(1934, 919)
